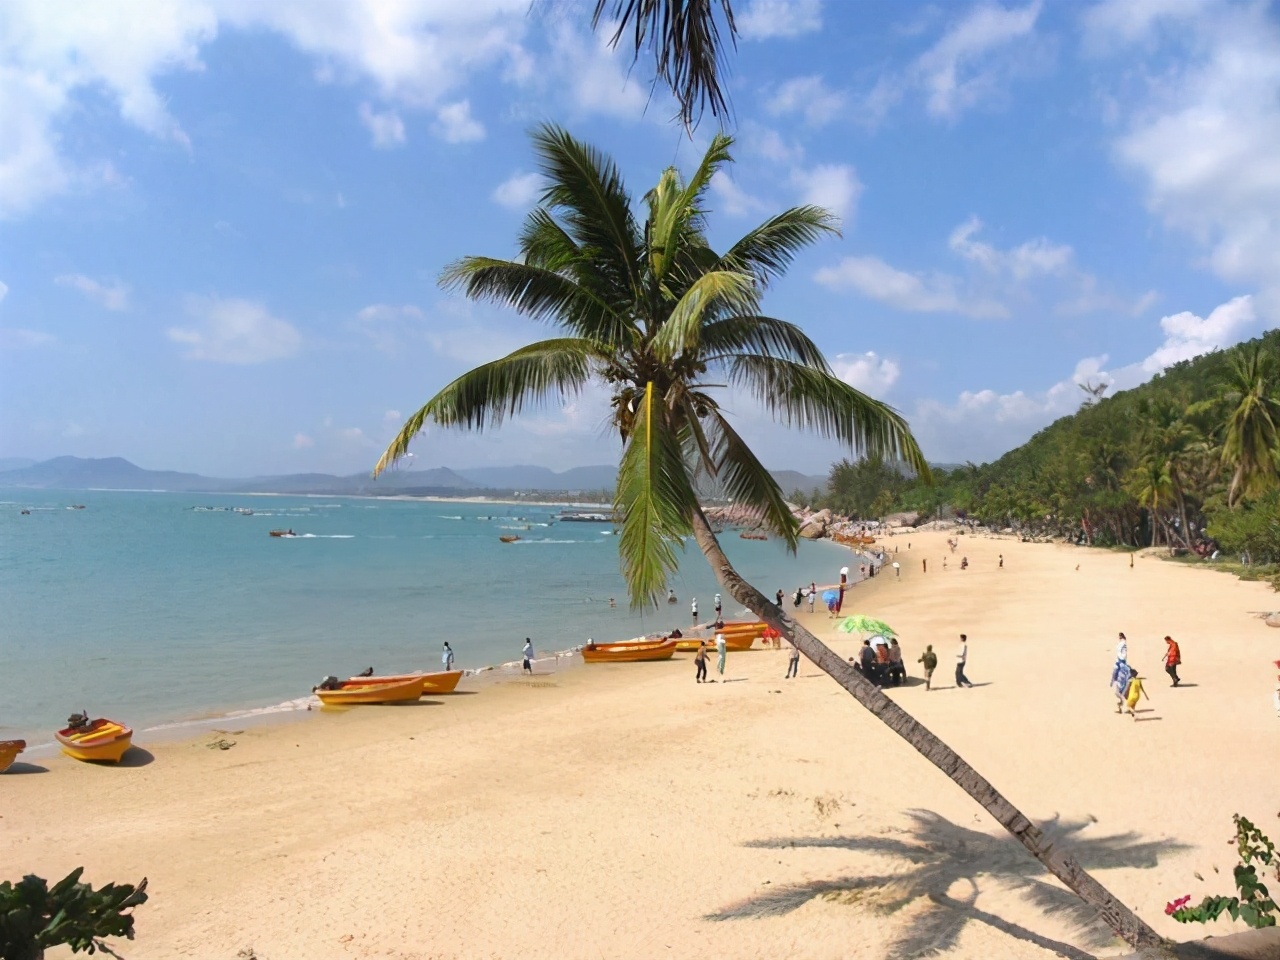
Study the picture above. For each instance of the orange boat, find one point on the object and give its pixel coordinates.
(511, 539)
(9, 750)
(445, 681)
(371, 690)
(99, 739)
(629, 651)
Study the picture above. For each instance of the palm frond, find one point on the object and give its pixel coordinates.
(675, 211)
(655, 500)
(688, 51)
(681, 331)
(769, 249)
(745, 480)
(538, 293)
(748, 333)
(814, 400)
(485, 396)
(585, 188)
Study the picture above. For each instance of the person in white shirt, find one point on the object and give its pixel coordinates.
(446, 657)
(962, 657)
(813, 594)
(694, 607)
(1122, 649)
(717, 606)
(722, 650)
(528, 656)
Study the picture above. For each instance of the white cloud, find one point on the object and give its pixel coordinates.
(235, 331)
(392, 416)
(918, 293)
(832, 185)
(519, 191)
(387, 128)
(733, 199)
(16, 338)
(983, 424)
(454, 123)
(769, 144)
(868, 372)
(763, 19)
(598, 78)
(956, 72)
(113, 297)
(302, 442)
(1205, 136)
(1038, 257)
(416, 53)
(4, 290)
(807, 97)
(391, 327)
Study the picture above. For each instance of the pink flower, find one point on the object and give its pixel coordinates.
(1171, 908)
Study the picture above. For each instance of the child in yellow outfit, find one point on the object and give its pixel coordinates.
(1133, 692)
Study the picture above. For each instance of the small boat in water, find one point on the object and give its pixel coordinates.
(629, 651)
(283, 533)
(96, 740)
(509, 539)
(370, 690)
(9, 750)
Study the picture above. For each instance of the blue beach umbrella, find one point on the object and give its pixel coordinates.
(830, 596)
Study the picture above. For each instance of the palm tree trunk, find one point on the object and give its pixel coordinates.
(1055, 859)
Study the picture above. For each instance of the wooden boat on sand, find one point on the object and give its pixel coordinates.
(371, 690)
(444, 681)
(628, 651)
(97, 740)
(9, 750)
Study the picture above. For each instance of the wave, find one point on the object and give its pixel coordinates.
(548, 540)
(324, 536)
(443, 517)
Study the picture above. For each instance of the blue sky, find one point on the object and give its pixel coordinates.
(221, 221)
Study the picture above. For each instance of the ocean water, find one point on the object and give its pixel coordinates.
(147, 608)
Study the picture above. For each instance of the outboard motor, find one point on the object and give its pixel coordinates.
(328, 683)
(77, 721)
(366, 672)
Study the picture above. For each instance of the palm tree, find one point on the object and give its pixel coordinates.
(1253, 428)
(689, 53)
(651, 311)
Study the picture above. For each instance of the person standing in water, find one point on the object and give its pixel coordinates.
(694, 607)
(446, 657)
(793, 665)
(722, 651)
(717, 602)
(528, 656)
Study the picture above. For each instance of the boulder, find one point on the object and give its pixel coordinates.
(815, 529)
(1271, 621)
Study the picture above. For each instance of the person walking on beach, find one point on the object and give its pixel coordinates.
(722, 651)
(717, 606)
(1133, 692)
(446, 657)
(528, 656)
(1001, 563)
(779, 598)
(793, 664)
(700, 660)
(812, 594)
(962, 657)
(1172, 657)
(694, 607)
(930, 661)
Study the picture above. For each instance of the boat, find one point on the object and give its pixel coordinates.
(9, 749)
(577, 517)
(509, 539)
(752, 535)
(372, 690)
(97, 740)
(444, 681)
(283, 533)
(628, 651)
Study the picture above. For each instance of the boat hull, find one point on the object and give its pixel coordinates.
(9, 750)
(103, 741)
(367, 690)
(629, 652)
(444, 681)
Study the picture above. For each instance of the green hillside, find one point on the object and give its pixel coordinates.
(1190, 459)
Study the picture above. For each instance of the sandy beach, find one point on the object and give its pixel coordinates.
(623, 811)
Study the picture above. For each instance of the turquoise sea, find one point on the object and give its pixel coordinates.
(152, 609)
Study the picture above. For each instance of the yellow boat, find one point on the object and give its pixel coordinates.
(98, 740)
(371, 690)
(9, 750)
(628, 651)
(444, 681)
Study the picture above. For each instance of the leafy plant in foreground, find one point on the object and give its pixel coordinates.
(34, 916)
(1254, 904)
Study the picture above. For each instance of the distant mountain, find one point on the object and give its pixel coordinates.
(15, 463)
(527, 477)
(111, 473)
(792, 480)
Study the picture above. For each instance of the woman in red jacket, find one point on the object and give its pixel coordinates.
(1172, 657)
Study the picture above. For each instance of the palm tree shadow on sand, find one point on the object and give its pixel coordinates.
(939, 855)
